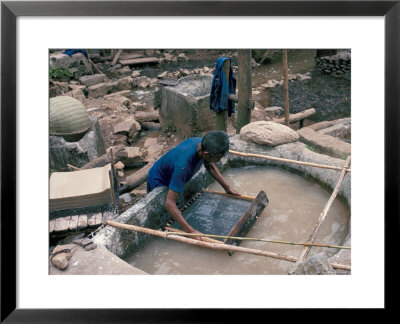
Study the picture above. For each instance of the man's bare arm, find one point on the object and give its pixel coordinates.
(216, 174)
(172, 208)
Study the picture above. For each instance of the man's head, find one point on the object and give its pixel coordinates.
(214, 146)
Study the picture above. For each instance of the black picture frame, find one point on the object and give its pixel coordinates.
(10, 10)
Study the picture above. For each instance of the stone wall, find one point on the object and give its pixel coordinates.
(339, 64)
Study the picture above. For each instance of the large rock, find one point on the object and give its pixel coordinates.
(90, 80)
(131, 155)
(100, 90)
(317, 264)
(128, 127)
(268, 133)
(153, 149)
(77, 61)
(123, 84)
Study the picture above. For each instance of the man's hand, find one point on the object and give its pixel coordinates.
(195, 237)
(232, 191)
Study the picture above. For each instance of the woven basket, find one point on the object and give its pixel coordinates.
(68, 117)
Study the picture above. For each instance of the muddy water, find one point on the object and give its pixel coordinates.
(294, 207)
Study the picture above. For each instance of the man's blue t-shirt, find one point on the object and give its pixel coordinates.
(176, 167)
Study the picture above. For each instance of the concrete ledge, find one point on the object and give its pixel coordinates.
(99, 261)
(325, 144)
(150, 212)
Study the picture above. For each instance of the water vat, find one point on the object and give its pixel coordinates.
(150, 211)
(293, 210)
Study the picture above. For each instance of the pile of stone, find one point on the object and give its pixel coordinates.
(338, 65)
(291, 77)
(185, 72)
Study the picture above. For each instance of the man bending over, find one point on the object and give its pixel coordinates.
(177, 166)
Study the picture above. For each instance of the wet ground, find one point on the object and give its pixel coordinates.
(329, 95)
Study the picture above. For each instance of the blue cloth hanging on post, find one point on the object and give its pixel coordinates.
(222, 88)
(70, 52)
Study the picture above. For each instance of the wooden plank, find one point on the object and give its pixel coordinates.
(130, 56)
(107, 215)
(73, 223)
(248, 218)
(293, 118)
(61, 224)
(82, 222)
(91, 220)
(94, 219)
(51, 226)
(116, 57)
(144, 60)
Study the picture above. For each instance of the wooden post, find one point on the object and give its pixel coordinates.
(222, 117)
(112, 191)
(116, 57)
(286, 85)
(244, 87)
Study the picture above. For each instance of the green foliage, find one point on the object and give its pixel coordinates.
(189, 51)
(170, 127)
(311, 148)
(59, 73)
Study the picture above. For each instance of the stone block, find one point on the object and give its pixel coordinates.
(187, 105)
(91, 80)
(100, 90)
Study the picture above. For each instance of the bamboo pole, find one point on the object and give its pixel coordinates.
(73, 167)
(244, 197)
(322, 216)
(286, 85)
(273, 158)
(177, 232)
(213, 246)
(204, 237)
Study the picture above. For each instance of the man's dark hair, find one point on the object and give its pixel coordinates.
(216, 143)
